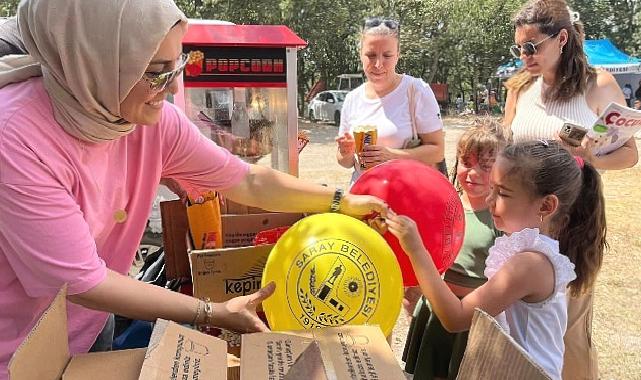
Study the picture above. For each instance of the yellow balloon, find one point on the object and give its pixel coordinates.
(331, 270)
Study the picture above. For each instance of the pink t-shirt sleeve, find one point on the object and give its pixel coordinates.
(193, 160)
(43, 226)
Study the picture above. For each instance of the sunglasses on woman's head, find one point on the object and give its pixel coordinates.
(528, 48)
(158, 82)
(376, 21)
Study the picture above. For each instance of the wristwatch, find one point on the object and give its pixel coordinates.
(336, 201)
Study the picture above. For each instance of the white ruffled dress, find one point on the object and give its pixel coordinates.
(537, 327)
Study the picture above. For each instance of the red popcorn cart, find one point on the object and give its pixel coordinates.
(240, 88)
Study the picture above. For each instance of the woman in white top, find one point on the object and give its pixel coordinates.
(550, 206)
(383, 101)
(557, 85)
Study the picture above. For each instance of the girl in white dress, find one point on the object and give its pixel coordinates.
(551, 208)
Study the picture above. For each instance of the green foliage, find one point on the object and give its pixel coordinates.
(618, 20)
(8, 7)
(458, 42)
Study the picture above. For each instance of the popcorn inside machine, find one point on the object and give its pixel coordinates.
(240, 88)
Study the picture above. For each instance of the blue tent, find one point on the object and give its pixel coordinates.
(603, 54)
(600, 53)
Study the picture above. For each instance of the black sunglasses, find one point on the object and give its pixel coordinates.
(376, 21)
(528, 48)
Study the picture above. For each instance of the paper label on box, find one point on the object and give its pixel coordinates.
(176, 352)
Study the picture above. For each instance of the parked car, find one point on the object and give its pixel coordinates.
(348, 82)
(326, 106)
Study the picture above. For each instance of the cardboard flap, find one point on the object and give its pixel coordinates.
(309, 365)
(48, 339)
(270, 355)
(175, 229)
(357, 352)
(179, 352)
(122, 365)
(346, 352)
(493, 354)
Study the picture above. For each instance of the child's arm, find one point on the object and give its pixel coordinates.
(524, 276)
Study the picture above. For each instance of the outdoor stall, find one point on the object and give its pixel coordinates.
(239, 87)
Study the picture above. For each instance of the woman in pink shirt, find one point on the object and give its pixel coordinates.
(85, 137)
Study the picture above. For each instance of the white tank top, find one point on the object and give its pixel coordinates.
(535, 120)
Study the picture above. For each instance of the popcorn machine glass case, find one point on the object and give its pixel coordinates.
(239, 88)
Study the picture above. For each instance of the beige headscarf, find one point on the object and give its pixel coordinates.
(91, 53)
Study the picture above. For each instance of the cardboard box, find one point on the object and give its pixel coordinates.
(492, 354)
(222, 274)
(174, 352)
(238, 231)
(337, 353)
(237, 268)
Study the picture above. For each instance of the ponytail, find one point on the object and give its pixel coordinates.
(583, 239)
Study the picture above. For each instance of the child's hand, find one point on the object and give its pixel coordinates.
(406, 231)
(378, 224)
(346, 144)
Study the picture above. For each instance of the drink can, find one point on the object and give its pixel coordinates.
(364, 135)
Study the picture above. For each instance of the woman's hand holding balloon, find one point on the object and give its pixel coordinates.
(361, 205)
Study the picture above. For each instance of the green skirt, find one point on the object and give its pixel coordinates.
(430, 350)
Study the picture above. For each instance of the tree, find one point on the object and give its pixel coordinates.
(458, 42)
(618, 20)
(8, 7)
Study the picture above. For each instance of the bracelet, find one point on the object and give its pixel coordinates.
(199, 310)
(209, 312)
(336, 201)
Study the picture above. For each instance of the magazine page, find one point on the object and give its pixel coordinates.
(616, 125)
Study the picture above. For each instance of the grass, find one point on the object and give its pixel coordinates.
(617, 310)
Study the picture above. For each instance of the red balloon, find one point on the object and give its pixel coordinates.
(422, 193)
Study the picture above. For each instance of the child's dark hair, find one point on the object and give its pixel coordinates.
(485, 136)
(546, 168)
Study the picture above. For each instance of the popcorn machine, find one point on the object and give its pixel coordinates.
(240, 89)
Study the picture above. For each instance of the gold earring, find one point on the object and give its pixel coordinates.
(541, 218)
(561, 49)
